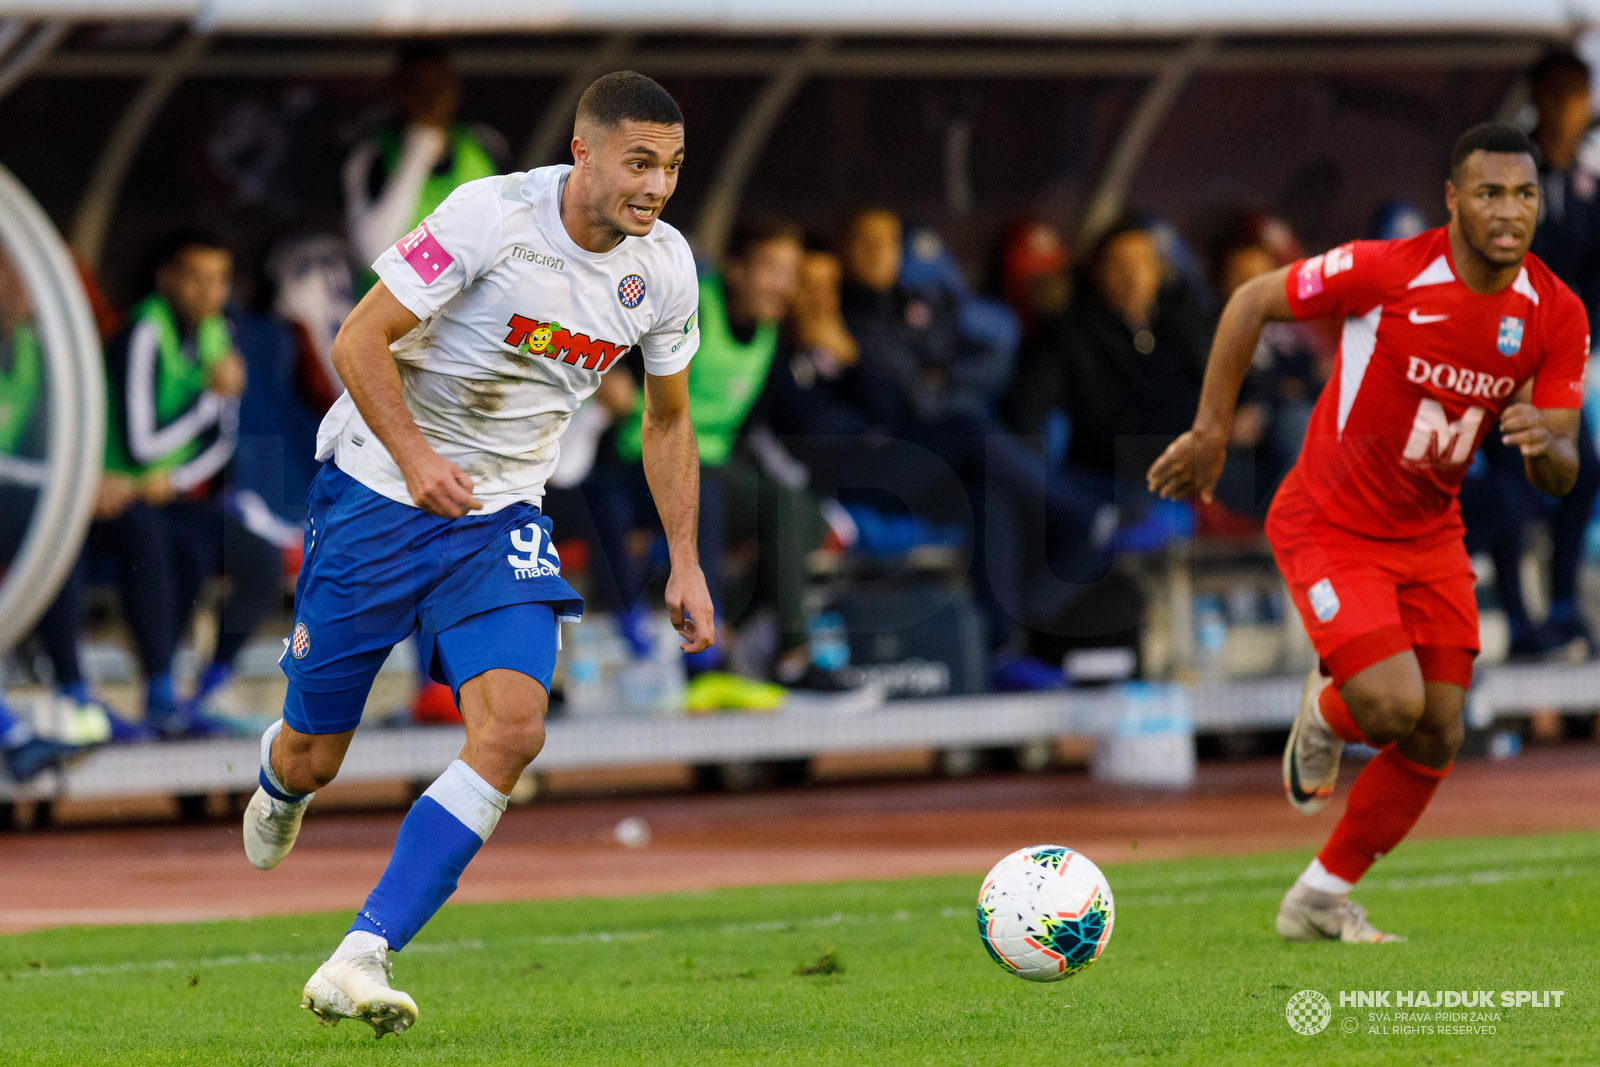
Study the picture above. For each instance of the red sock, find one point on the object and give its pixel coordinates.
(1386, 801)
(1336, 713)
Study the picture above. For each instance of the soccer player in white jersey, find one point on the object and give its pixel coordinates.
(490, 324)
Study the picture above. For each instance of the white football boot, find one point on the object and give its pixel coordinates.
(357, 987)
(1311, 758)
(1308, 914)
(270, 827)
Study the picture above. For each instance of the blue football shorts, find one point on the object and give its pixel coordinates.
(481, 592)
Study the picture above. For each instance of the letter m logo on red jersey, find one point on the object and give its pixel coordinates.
(1435, 441)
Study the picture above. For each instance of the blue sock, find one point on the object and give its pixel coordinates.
(441, 833)
(78, 691)
(1562, 611)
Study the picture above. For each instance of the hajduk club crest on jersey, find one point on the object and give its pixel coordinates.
(630, 291)
(1510, 339)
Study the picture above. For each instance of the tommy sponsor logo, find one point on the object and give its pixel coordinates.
(553, 341)
(300, 641)
(424, 253)
(1324, 601)
(1458, 380)
(534, 555)
(538, 259)
(1509, 340)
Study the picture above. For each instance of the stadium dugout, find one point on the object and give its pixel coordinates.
(1145, 82)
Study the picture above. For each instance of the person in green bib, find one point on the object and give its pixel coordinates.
(174, 380)
(741, 499)
(395, 178)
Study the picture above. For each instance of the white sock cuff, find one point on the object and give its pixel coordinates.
(266, 758)
(356, 943)
(1318, 877)
(462, 792)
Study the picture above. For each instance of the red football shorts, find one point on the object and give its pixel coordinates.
(1363, 600)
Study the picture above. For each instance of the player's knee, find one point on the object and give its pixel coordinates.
(518, 739)
(515, 727)
(1387, 716)
(1441, 739)
(309, 771)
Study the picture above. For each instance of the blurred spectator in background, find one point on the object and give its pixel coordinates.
(394, 179)
(742, 496)
(1124, 363)
(935, 360)
(24, 407)
(1035, 272)
(816, 399)
(1496, 500)
(313, 291)
(1292, 363)
(174, 381)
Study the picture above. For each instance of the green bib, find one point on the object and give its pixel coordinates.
(470, 163)
(725, 378)
(180, 379)
(20, 388)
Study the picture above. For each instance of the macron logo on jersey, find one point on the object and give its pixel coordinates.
(425, 254)
(552, 341)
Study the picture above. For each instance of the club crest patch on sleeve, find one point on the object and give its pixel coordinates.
(1324, 601)
(300, 641)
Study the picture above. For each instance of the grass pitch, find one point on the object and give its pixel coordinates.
(1193, 975)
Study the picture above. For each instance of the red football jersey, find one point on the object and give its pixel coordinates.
(1425, 367)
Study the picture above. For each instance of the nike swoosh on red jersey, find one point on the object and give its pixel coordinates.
(1423, 320)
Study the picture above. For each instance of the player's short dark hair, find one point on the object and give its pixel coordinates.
(1490, 137)
(1558, 69)
(753, 231)
(627, 95)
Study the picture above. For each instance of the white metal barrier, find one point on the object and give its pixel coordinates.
(803, 729)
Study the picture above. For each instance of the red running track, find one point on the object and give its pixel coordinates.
(825, 833)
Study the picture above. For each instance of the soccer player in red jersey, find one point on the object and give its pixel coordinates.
(1443, 333)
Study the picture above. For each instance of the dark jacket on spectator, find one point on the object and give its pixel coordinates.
(916, 363)
(1085, 363)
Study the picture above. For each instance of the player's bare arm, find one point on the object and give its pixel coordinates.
(1548, 439)
(1193, 462)
(672, 467)
(362, 358)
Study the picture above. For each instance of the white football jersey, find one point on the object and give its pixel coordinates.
(518, 324)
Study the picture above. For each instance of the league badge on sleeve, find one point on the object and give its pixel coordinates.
(630, 291)
(1510, 339)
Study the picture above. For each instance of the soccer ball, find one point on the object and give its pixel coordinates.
(1045, 913)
